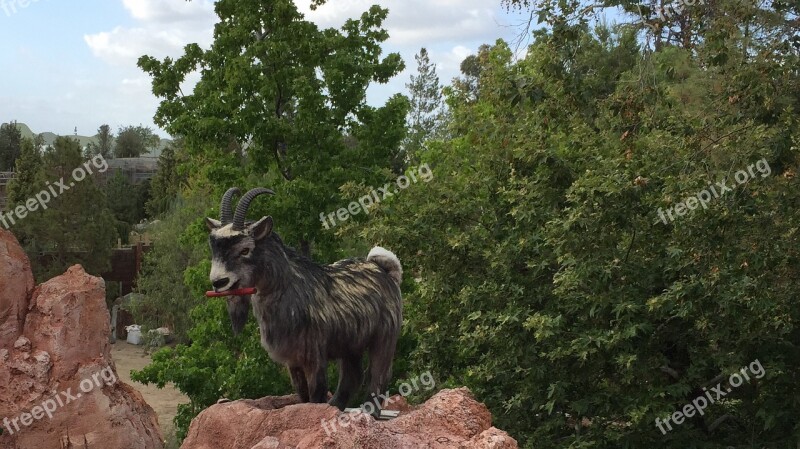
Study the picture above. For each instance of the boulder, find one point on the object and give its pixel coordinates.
(450, 419)
(16, 285)
(58, 384)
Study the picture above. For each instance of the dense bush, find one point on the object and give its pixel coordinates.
(548, 282)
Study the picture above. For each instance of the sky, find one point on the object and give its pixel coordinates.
(64, 66)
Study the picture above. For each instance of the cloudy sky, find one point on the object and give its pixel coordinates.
(65, 67)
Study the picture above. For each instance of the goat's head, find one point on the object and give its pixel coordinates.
(234, 258)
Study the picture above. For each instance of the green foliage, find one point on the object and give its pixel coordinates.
(103, 144)
(167, 182)
(77, 226)
(216, 365)
(127, 203)
(10, 145)
(29, 176)
(743, 27)
(134, 141)
(166, 298)
(547, 282)
(426, 115)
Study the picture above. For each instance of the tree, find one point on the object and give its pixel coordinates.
(10, 145)
(76, 226)
(126, 202)
(297, 89)
(29, 176)
(134, 141)
(743, 29)
(29, 181)
(167, 182)
(104, 145)
(549, 285)
(282, 104)
(426, 115)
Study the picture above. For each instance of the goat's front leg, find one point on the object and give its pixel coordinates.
(299, 382)
(317, 378)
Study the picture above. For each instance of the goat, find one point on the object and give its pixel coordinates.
(309, 314)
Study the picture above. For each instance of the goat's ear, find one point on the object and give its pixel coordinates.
(262, 228)
(213, 224)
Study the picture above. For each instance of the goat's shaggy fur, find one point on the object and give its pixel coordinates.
(307, 313)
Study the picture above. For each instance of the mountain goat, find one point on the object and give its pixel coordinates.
(309, 314)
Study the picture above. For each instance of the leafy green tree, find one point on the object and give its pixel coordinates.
(134, 141)
(297, 90)
(121, 202)
(104, 145)
(28, 181)
(167, 182)
(426, 114)
(166, 296)
(29, 176)
(143, 194)
(547, 281)
(76, 226)
(10, 145)
(743, 28)
(127, 202)
(471, 68)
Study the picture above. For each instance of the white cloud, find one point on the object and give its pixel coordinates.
(165, 27)
(169, 12)
(418, 22)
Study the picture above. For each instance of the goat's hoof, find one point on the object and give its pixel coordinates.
(223, 400)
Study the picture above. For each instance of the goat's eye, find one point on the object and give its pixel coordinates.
(245, 252)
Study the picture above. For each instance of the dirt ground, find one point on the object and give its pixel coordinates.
(165, 401)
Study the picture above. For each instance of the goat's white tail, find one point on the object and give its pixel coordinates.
(388, 262)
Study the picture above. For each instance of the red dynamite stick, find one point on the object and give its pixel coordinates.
(237, 292)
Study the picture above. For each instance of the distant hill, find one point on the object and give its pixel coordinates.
(26, 132)
(50, 138)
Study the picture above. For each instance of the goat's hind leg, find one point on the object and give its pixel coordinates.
(299, 383)
(350, 378)
(380, 371)
(317, 378)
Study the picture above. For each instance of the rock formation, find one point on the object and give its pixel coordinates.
(451, 419)
(58, 384)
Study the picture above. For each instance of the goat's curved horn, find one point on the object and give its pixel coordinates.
(225, 209)
(244, 204)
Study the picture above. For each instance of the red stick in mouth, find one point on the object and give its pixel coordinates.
(237, 292)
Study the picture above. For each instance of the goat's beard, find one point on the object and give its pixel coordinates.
(238, 307)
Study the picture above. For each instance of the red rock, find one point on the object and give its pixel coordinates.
(16, 285)
(451, 419)
(55, 353)
(398, 403)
